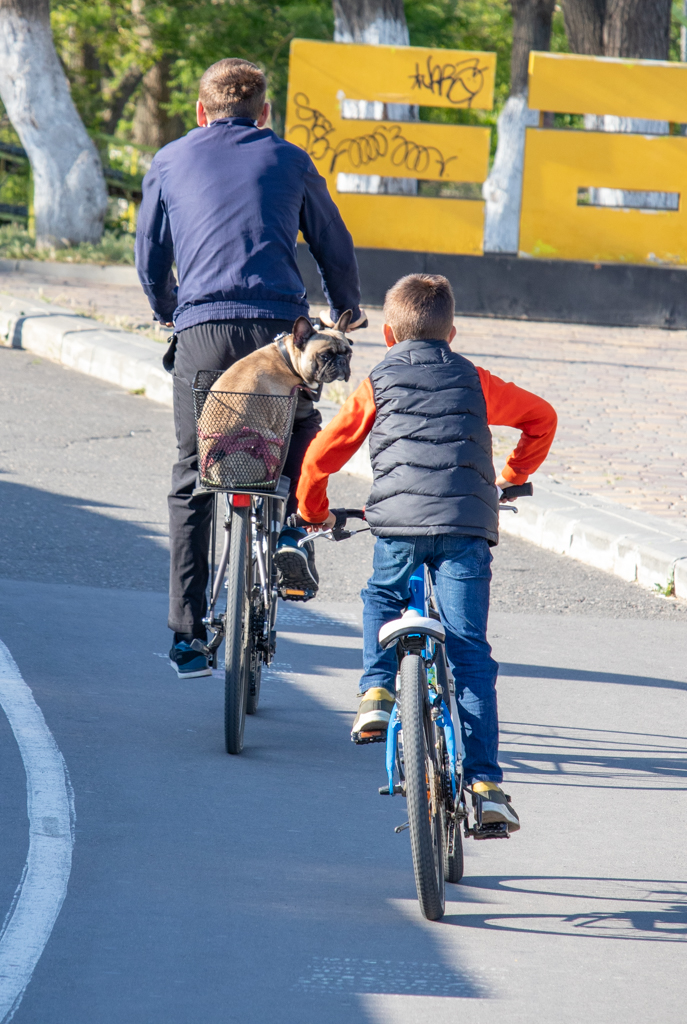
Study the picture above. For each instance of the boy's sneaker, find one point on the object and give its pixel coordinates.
(496, 807)
(189, 664)
(373, 716)
(298, 579)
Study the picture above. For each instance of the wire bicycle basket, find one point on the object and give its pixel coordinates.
(243, 439)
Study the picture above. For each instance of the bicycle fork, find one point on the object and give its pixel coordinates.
(442, 717)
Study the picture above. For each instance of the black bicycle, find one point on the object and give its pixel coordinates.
(243, 440)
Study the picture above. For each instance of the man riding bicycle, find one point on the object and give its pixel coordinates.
(226, 203)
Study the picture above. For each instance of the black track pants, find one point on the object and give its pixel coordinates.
(213, 346)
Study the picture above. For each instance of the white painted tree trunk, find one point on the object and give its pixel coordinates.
(70, 197)
(502, 190)
(381, 31)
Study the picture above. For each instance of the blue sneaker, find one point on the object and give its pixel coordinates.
(189, 664)
(298, 579)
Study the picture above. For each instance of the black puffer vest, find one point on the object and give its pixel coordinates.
(430, 446)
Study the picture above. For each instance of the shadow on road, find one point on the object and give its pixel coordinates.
(56, 538)
(657, 910)
(578, 675)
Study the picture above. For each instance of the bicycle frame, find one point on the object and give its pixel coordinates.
(267, 517)
(420, 589)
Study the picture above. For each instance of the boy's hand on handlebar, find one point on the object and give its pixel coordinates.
(326, 525)
(503, 483)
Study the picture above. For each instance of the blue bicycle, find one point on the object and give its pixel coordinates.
(423, 748)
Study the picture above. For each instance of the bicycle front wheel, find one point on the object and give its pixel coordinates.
(423, 788)
(238, 638)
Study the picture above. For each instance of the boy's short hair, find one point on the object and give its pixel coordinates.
(420, 306)
(233, 87)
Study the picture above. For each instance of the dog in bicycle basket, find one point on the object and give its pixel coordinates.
(241, 434)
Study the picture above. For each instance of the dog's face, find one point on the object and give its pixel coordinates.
(320, 357)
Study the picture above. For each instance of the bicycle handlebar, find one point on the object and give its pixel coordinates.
(516, 491)
(336, 532)
(339, 532)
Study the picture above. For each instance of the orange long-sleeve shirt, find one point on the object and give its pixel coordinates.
(507, 406)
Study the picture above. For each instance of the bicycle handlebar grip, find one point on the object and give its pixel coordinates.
(517, 491)
(342, 514)
(351, 513)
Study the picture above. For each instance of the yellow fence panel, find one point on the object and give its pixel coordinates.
(323, 75)
(398, 74)
(559, 163)
(417, 224)
(574, 84)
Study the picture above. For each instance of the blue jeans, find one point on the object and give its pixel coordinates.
(460, 569)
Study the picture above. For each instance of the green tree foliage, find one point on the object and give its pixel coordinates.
(108, 45)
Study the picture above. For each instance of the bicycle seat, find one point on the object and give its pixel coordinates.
(410, 624)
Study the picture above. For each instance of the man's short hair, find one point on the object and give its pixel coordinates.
(420, 306)
(233, 87)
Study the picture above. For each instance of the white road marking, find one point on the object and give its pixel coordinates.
(43, 884)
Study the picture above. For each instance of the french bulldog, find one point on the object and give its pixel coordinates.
(230, 445)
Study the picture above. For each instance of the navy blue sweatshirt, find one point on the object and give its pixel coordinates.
(226, 203)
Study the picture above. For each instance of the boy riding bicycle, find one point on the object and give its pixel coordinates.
(434, 500)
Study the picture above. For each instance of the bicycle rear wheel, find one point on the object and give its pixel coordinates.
(238, 634)
(423, 788)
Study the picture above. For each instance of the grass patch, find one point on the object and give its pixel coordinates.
(17, 244)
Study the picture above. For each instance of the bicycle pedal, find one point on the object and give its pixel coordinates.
(198, 645)
(497, 830)
(369, 737)
(292, 594)
(399, 789)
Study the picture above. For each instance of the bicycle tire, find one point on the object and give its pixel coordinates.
(238, 640)
(424, 816)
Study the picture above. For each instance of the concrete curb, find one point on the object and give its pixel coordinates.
(118, 357)
(88, 273)
(633, 545)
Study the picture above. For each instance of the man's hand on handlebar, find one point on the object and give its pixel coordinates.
(355, 325)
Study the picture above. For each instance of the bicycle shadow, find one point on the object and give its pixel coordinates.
(597, 756)
(658, 912)
(583, 676)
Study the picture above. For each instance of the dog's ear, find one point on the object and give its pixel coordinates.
(343, 321)
(302, 332)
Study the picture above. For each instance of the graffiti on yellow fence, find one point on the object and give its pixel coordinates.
(325, 77)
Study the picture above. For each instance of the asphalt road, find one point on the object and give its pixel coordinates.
(272, 886)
